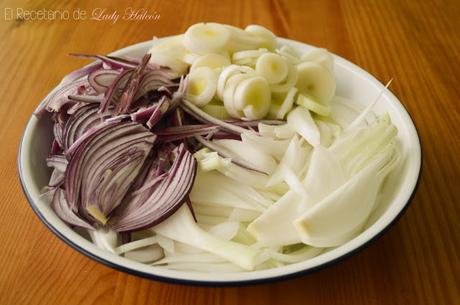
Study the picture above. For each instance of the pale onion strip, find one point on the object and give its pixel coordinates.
(226, 230)
(287, 103)
(146, 254)
(243, 215)
(212, 210)
(209, 220)
(136, 244)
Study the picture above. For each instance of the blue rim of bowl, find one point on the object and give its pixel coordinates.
(268, 280)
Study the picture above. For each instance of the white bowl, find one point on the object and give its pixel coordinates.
(353, 82)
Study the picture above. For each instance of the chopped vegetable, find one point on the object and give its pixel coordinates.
(217, 151)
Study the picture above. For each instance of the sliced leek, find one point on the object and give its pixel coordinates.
(202, 85)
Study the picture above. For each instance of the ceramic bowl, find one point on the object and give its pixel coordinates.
(352, 82)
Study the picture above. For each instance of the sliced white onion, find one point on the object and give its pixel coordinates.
(252, 97)
(267, 37)
(272, 67)
(201, 86)
(248, 54)
(145, 255)
(320, 56)
(229, 93)
(287, 104)
(190, 58)
(242, 40)
(288, 83)
(225, 76)
(169, 53)
(306, 101)
(301, 121)
(213, 61)
(204, 38)
(317, 81)
(141, 243)
(289, 55)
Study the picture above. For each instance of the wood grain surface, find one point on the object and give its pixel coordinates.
(415, 42)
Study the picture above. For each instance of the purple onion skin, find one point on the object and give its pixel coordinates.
(166, 199)
(132, 86)
(120, 146)
(123, 137)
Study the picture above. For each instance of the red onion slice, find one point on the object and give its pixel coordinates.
(104, 163)
(88, 99)
(154, 80)
(101, 79)
(115, 62)
(132, 86)
(172, 134)
(158, 112)
(59, 96)
(82, 120)
(169, 196)
(114, 92)
(62, 209)
(77, 74)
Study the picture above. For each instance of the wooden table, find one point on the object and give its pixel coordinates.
(417, 43)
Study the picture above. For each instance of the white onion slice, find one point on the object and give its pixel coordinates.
(201, 86)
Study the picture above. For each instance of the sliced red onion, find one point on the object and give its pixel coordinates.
(82, 120)
(101, 79)
(77, 74)
(172, 134)
(151, 184)
(118, 118)
(58, 134)
(74, 108)
(158, 112)
(62, 209)
(115, 62)
(132, 86)
(59, 162)
(111, 61)
(59, 165)
(177, 117)
(103, 166)
(143, 174)
(55, 148)
(110, 81)
(179, 94)
(165, 89)
(113, 94)
(47, 193)
(143, 114)
(109, 174)
(59, 96)
(146, 181)
(154, 80)
(57, 178)
(86, 98)
(167, 197)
